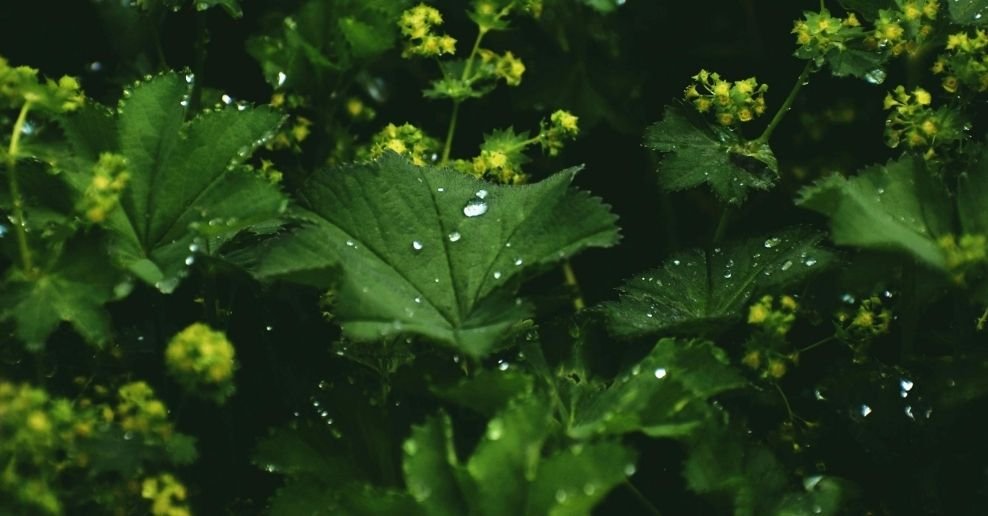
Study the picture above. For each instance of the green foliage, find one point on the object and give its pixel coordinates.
(968, 12)
(698, 290)
(445, 254)
(697, 153)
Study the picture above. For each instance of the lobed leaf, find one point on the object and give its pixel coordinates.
(699, 291)
(899, 206)
(431, 251)
(697, 153)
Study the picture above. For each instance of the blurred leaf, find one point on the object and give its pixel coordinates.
(969, 12)
(899, 206)
(697, 291)
(488, 391)
(432, 469)
(663, 395)
(574, 480)
(696, 152)
(431, 251)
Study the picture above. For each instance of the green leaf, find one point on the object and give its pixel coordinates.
(663, 395)
(186, 192)
(867, 8)
(972, 193)
(310, 451)
(899, 206)
(573, 481)
(969, 12)
(431, 467)
(430, 251)
(232, 7)
(488, 391)
(507, 458)
(604, 6)
(722, 460)
(696, 152)
(863, 64)
(700, 291)
(73, 290)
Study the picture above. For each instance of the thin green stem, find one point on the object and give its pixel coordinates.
(467, 70)
(982, 320)
(787, 104)
(785, 401)
(646, 503)
(817, 343)
(574, 286)
(15, 191)
(448, 146)
(725, 220)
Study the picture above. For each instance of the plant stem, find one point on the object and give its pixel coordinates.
(817, 343)
(467, 70)
(982, 320)
(641, 498)
(787, 105)
(725, 218)
(15, 191)
(574, 286)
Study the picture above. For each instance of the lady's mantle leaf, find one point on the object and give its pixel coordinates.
(507, 473)
(697, 153)
(899, 206)
(665, 394)
(695, 290)
(969, 12)
(432, 251)
(73, 290)
(183, 175)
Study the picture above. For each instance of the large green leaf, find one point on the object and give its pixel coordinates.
(899, 206)
(665, 394)
(73, 289)
(972, 193)
(696, 152)
(187, 191)
(696, 290)
(431, 251)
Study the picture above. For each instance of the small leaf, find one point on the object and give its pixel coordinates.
(487, 392)
(696, 152)
(73, 290)
(863, 64)
(665, 394)
(899, 206)
(433, 252)
(698, 291)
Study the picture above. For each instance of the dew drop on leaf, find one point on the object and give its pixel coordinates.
(475, 208)
(416, 245)
(454, 236)
(772, 242)
(660, 373)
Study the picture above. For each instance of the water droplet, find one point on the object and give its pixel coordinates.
(503, 365)
(226, 99)
(660, 373)
(475, 208)
(418, 300)
(786, 266)
(495, 429)
(649, 315)
(630, 470)
(876, 76)
(349, 243)
(454, 236)
(128, 436)
(728, 274)
(809, 261)
(497, 274)
(281, 79)
(416, 245)
(189, 78)
(676, 262)
(772, 242)
(561, 496)
(865, 410)
(440, 189)
(518, 262)
(481, 194)
(189, 260)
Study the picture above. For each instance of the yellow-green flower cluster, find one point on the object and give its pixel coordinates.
(921, 127)
(32, 430)
(417, 26)
(139, 412)
(868, 321)
(819, 33)
(740, 101)
(965, 62)
(506, 67)
(964, 254)
(202, 361)
(406, 140)
(906, 28)
(774, 318)
(498, 165)
(561, 127)
(20, 85)
(167, 495)
(110, 176)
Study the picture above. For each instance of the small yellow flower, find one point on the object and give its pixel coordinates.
(922, 97)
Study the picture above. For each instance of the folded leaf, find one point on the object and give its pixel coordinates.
(431, 251)
(899, 206)
(697, 291)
